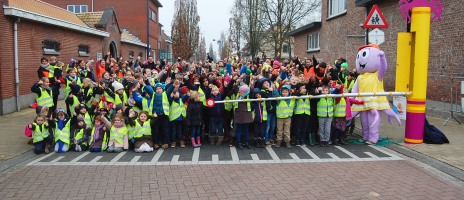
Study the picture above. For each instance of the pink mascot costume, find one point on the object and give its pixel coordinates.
(371, 65)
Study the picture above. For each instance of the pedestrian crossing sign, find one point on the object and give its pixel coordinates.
(375, 19)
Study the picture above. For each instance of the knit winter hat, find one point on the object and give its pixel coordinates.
(117, 86)
(80, 107)
(184, 90)
(345, 65)
(257, 91)
(134, 83)
(75, 88)
(159, 85)
(118, 107)
(244, 89)
(277, 63)
(38, 109)
(80, 119)
(61, 110)
(127, 110)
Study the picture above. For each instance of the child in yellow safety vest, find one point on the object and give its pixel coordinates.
(141, 131)
(259, 112)
(118, 133)
(119, 96)
(74, 99)
(325, 114)
(284, 116)
(62, 128)
(79, 135)
(342, 111)
(42, 139)
(177, 114)
(99, 135)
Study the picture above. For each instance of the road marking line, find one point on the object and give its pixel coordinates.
(372, 155)
(115, 159)
(134, 160)
(334, 156)
(157, 156)
(41, 158)
(196, 155)
(79, 157)
(175, 160)
(215, 159)
(274, 155)
(385, 152)
(346, 152)
(295, 157)
(55, 162)
(235, 159)
(310, 153)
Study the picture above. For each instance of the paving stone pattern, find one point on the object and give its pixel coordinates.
(221, 155)
(323, 180)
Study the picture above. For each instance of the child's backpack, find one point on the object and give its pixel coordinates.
(27, 131)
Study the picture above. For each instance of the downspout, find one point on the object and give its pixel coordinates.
(92, 5)
(148, 29)
(15, 41)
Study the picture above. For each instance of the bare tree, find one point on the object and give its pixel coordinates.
(223, 50)
(211, 51)
(202, 51)
(252, 27)
(235, 29)
(185, 28)
(281, 15)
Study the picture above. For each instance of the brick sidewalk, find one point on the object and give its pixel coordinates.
(346, 180)
(452, 153)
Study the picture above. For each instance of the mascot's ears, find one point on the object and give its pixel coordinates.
(383, 65)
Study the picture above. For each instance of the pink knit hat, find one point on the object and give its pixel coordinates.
(244, 89)
(277, 63)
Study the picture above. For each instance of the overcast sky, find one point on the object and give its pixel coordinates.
(214, 18)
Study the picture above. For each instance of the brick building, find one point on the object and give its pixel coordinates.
(340, 33)
(44, 30)
(132, 16)
(165, 47)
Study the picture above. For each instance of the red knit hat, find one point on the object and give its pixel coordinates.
(184, 90)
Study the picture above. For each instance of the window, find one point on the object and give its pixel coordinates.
(51, 47)
(153, 16)
(168, 48)
(131, 54)
(77, 8)
(336, 7)
(285, 49)
(141, 54)
(84, 50)
(313, 41)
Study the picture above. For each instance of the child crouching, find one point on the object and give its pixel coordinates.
(42, 139)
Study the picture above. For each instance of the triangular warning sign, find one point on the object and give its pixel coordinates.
(375, 19)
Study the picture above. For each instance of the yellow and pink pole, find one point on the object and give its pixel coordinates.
(415, 115)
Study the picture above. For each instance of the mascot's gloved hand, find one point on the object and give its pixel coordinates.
(361, 102)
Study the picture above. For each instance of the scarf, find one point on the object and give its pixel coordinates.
(119, 124)
(45, 67)
(97, 132)
(61, 124)
(45, 87)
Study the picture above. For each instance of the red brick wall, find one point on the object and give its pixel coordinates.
(30, 37)
(446, 55)
(134, 19)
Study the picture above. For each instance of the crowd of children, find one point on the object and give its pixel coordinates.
(114, 105)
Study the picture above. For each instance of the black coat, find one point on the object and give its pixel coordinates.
(194, 113)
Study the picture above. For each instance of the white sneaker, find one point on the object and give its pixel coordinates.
(369, 143)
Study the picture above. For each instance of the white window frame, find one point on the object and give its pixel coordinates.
(336, 8)
(313, 42)
(153, 15)
(80, 8)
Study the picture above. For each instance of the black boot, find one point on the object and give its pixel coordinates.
(334, 141)
(247, 145)
(262, 143)
(340, 140)
(232, 142)
(239, 146)
(258, 142)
